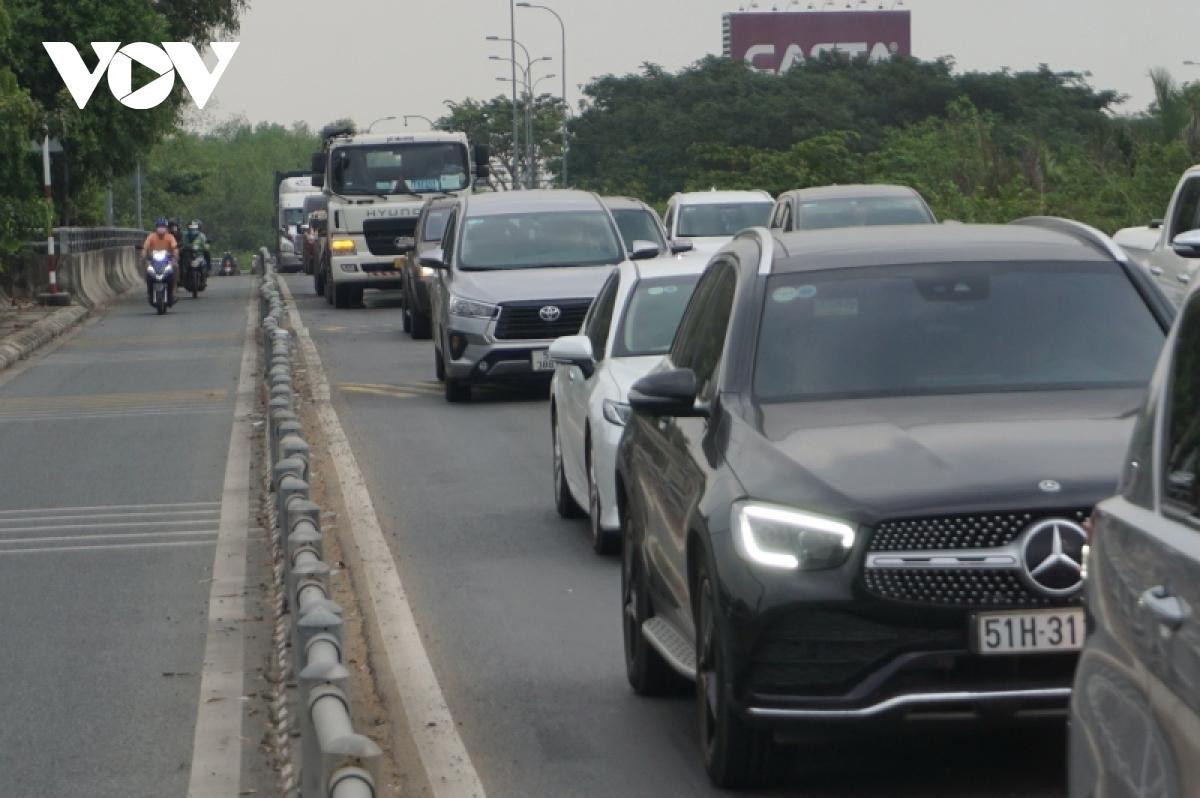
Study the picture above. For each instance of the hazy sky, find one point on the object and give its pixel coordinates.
(316, 60)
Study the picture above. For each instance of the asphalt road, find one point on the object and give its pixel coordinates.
(522, 620)
(114, 449)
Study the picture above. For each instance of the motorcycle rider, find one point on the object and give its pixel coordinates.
(161, 238)
(194, 240)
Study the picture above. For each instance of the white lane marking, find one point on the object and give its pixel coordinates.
(167, 516)
(217, 746)
(5, 544)
(409, 684)
(207, 410)
(122, 524)
(109, 547)
(111, 507)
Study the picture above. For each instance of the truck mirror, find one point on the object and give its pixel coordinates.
(483, 156)
(318, 179)
(318, 163)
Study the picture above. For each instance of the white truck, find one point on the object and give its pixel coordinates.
(1151, 246)
(376, 185)
(291, 189)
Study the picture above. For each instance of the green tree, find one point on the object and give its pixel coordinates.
(23, 212)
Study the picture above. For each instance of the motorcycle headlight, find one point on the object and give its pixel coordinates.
(616, 412)
(470, 308)
(793, 540)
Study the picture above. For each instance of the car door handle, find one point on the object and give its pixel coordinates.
(1156, 271)
(1166, 609)
(1183, 278)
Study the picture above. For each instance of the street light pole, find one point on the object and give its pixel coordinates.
(563, 70)
(377, 121)
(528, 65)
(512, 54)
(418, 116)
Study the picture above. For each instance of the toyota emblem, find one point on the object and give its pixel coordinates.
(1052, 556)
(549, 313)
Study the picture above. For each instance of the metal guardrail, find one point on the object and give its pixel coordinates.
(68, 240)
(334, 761)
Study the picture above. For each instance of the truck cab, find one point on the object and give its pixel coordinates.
(376, 185)
(1151, 245)
(292, 188)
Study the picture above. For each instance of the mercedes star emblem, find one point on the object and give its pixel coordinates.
(549, 313)
(1050, 486)
(1052, 556)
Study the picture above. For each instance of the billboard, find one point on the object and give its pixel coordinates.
(777, 41)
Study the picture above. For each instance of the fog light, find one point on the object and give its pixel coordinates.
(483, 367)
(349, 267)
(458, 345)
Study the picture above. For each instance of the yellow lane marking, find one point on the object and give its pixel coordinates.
(391, 394)
(332, 329)
(95, 401)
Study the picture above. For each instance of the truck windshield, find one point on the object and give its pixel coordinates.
(395, 168)
(293, 216)
(539, 239)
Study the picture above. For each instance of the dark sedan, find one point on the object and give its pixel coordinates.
(855, 488)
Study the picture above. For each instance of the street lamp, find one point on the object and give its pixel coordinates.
(512, 52)
(377, 121)
(1191, 63)
(563, 68)
(530, 154)
(418, 116)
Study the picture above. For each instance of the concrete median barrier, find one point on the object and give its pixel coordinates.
(312, 697)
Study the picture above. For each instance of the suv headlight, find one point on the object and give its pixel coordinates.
(616, 412)
(779, 537)
(469, 307)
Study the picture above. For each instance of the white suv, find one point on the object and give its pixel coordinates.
(710, 219)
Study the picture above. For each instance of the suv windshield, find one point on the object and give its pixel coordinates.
(652, 315)
(721, 219)
(293, 216)
(953, 328)
(419, 167)
(638, 224)
(539, 239)
(861, 212)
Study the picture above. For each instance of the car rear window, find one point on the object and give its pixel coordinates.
(709, 219)
(860, 212)
(953, 328)
(652, 314)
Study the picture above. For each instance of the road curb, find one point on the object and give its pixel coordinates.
(20, 345)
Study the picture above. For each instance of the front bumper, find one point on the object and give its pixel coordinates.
(365, 271)
(473, 354)
(814, 646)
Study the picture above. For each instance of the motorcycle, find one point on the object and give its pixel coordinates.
(194, 277)
(158, 279)
(227, 269)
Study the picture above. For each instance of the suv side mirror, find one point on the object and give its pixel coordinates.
(1187, 244)
(666, 393)
(643, 250)
(680, 246)
(433, 258)
(318, 163)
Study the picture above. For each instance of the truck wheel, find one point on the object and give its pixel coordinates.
(356, 297)
(319, 283)
(328, 289)
(439, 365)
(341, 296)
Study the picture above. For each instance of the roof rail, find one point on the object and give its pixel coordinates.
(1083, 233)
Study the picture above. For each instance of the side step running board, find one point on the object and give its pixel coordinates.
(677, 650)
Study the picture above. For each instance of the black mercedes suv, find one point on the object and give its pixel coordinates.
(856, 487)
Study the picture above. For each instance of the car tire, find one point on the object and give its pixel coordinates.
(439, 365)
(603, 541)
(564, 503)
(734, 752)
(457, 390)
(406, 319)
(647, 671)
(422, 326)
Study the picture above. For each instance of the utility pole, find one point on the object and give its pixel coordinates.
(51, 258)
(512, 48)
(137, 194)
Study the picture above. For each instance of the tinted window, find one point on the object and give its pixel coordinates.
(395, 168)
(638, 224)
(953, 328)
(865, 212)
(1187, 210)
(448, 237)
(652, 315)
(600, 317)
(435, 224)
(701, 337)
(545, 238)
(724, 219)
(1182, 445)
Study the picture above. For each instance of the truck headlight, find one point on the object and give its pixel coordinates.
(471, 308)
(616, 412)
(342, 246)
(426, 271)
(793, 540)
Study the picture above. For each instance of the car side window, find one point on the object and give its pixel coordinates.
(599, 320)
(1181, 444)
(777, 215)
(701, 337)
(785, 220)
(448, 237)
(669, 222)
(1187, 210)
